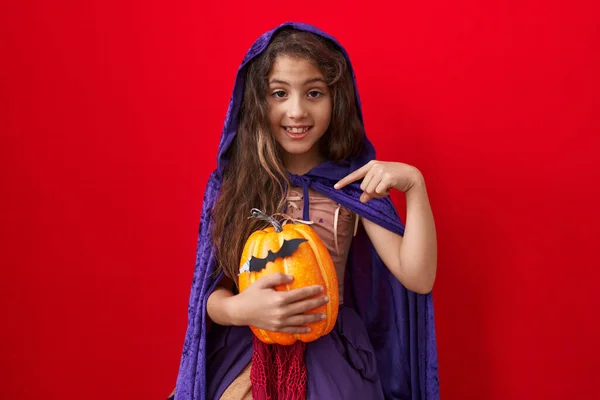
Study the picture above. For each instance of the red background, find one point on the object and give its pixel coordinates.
(111, 114)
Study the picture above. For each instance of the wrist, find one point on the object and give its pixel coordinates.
(413, 179)
(417, 186)
(418, 182)
(230, 306)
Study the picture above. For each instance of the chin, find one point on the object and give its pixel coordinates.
(299, 149)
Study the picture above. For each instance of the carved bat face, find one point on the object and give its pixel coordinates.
(287, 249)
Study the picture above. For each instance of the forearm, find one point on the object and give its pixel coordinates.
(418, 250)
(219, 307)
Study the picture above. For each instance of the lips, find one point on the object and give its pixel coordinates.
(297, 133)
(296, 129)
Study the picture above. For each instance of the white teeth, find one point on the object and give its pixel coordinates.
(296, 130)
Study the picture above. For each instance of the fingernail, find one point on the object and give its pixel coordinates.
(321, 288)
(326, 299)
(290, 277)
(336, 185)
(323, 316)
(307, 330)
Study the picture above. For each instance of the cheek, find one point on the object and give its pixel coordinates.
(274, 115)
(325, 114)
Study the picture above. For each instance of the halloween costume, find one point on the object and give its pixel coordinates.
(385, 334)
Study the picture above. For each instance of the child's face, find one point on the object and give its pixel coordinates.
(299, 105)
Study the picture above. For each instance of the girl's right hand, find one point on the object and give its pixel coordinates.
(263, 307)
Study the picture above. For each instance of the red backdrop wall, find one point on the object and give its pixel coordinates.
(111, 114)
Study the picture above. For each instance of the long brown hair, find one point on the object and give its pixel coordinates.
(255, 176)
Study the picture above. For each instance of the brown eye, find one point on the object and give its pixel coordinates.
(315, 94)
(279, 94)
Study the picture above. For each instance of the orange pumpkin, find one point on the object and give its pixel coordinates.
(309, 263)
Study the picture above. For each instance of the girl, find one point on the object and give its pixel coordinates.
(294, 142)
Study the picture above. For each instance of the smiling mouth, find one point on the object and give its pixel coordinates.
(298, 130)
(298, 133)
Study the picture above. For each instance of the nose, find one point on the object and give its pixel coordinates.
(296, 108)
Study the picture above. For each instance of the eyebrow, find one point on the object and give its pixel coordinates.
(311, 80)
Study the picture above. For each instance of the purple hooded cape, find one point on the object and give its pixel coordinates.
(400, 323)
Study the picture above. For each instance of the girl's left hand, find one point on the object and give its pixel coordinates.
(379, 177)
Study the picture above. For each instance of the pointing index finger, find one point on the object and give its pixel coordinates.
(354, 176)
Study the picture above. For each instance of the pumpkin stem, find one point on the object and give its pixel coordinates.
(256, 213)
